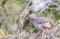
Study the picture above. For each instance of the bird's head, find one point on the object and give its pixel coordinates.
(32, 16)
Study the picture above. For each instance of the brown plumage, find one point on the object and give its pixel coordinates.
(40, 22)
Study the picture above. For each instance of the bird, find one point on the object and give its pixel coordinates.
(35, 6)
(40, 22)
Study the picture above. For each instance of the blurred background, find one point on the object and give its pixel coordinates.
(9, 15)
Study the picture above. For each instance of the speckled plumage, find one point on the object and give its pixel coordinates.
(41, 22)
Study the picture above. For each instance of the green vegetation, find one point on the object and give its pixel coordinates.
(9, 12)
